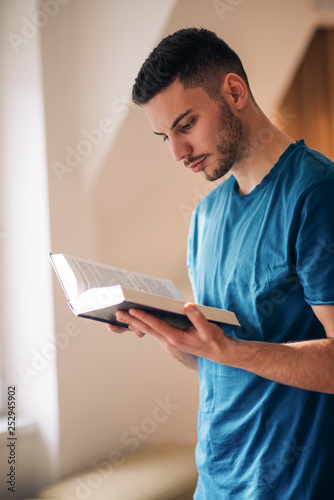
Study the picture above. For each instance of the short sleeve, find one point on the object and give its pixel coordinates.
(315, 243)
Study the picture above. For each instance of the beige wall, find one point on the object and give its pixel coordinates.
(123, 200)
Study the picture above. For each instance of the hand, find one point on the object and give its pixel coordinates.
(120, 329)
(202, 338)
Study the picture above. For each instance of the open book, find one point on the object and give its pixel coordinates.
(96, 291)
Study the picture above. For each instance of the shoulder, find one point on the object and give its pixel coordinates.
(308, 168)
(306, 176)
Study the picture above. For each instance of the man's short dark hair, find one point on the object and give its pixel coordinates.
(196, 57)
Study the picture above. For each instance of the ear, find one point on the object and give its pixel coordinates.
(235, 91)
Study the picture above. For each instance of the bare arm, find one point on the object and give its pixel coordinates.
(307, 365)
(186, 359)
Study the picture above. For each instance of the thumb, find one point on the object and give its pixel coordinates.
(195, 316)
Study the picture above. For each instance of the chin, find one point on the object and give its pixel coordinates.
(217, 174)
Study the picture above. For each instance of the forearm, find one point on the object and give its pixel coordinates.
(186, 359)
(306, 365)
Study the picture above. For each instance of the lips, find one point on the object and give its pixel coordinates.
(197, 166)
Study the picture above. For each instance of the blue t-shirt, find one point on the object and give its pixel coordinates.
(268, 256)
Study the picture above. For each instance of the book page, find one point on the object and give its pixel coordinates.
(68, 278)
(95, 275)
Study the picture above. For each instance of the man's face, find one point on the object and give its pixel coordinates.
(200, 131)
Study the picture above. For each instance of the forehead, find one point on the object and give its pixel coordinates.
(172, 102)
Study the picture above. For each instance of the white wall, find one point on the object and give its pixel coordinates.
(26, 294)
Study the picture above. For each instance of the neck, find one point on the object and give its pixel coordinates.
(263, 144)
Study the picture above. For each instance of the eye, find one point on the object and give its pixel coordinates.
(188, 125)
(165, 138)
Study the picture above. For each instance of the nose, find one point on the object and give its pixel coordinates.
(179, 147)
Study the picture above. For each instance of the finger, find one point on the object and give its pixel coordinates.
(121, 329)
(170, 336)
(153, 322)
(205, 330)
(117, 329)
(133, 322)
(196, 317)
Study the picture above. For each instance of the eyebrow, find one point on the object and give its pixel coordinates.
(176, 121)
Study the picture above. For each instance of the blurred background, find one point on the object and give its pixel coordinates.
(83, 174)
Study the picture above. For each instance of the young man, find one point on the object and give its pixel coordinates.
(261, 245)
